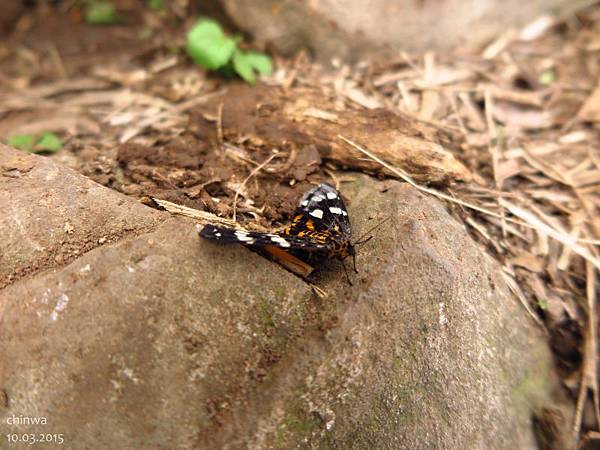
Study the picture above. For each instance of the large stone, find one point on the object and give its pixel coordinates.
(161, 340)
(52, 215)
(350, 29)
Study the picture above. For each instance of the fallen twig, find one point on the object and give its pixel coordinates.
(196, 214)
(254, 172)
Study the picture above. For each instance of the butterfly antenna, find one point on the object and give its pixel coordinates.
(361, 240)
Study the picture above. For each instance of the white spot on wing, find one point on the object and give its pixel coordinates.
(331, 195)
(243, 236)
(335, 210)
(304, 203)
(281, 241)
(317, 213)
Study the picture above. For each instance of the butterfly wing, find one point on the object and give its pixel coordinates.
(321, 210)
(257, 239)
(320, 228)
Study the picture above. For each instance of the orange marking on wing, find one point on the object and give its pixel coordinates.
(289, 261)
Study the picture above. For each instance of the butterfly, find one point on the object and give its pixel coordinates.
(320, 230)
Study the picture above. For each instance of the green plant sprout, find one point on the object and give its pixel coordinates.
(156, 5)
(46, 143)
(101, 12)
(211, 48)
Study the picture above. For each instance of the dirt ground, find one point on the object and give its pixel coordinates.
(515, 126)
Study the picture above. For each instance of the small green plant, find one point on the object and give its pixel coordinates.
(156, 5)
(211, 48)
(22, 142)
(101, 12)
(46, 143)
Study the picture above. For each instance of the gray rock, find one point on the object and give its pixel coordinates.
(351, 30)
(51, 215)
(161, 340)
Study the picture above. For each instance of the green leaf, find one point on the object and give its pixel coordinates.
(208, 46)
(227, 71)
(22, 141)
(260, 62)
(247, 64)
(156, 5)
(49, 142)
(101, 12)
(243, 67)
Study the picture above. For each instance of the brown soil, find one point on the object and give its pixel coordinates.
(205, 162)
(188, 168)
(198, 174)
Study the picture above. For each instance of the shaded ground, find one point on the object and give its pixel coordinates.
(522, 115)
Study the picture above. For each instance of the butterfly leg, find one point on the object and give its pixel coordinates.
(346, 272)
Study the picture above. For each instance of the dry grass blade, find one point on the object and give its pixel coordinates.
(589, 370)
(177, 109)
(220, 124)
(317, 290)
(196, 214)
(516, 290)
(253, 173)
(401, 174)
(56, 88)
(541, 227)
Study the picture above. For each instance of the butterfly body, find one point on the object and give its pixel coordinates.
(320, 229)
